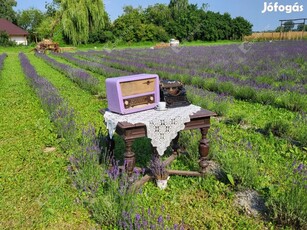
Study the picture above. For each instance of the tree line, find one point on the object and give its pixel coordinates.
(91, 24)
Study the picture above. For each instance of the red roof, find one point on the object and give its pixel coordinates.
(10, 28)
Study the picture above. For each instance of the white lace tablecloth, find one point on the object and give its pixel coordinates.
(162, 126)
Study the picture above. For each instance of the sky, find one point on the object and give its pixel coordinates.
(264, 15)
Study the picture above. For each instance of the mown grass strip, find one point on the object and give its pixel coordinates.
(34, 188)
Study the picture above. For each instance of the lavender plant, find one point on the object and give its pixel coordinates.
(152, 218)
(81, 77)
(48, 93)
(274, 78)
(158, 168)
(289, 202)
(60, 114)
(218, 103)
(86, 172)
(114, 197)
(2, 57)
(93, 66)
(300, 124)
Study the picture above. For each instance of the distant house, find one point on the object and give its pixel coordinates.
(15, 33)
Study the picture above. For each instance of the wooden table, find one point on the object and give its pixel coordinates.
(199, 120)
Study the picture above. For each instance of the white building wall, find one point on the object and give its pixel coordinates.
(20, 40)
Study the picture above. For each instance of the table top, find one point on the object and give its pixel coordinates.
(202, 113)
(160, 126)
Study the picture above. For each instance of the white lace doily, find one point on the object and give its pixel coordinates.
(162, 126)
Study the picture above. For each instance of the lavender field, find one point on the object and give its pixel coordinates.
(268, 73)
(258, 141)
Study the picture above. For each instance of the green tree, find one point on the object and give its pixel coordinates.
(158, 14)
(185, 22)
(129, 27)
(137, 25)
(209, 26)
(301, 27)
(155, 33)
(52, 8)
(178, 7)
(5, 39)
(224, 26)
(80, 18)
(104, 35)
(6, 10)
(288, 26)
(279, 28)
(241, 27)
(49, 28)
(30, 20)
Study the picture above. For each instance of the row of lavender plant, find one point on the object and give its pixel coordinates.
(259, 59)
(229, 64)
(60, 114)
(94, 67)
(138, 64)
(85, 154)
(89, 176)
(260, 92)
(116, 59)
(2, 57)
(125, 65)
(77, 75)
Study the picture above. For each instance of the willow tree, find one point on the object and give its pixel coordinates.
(80, 18)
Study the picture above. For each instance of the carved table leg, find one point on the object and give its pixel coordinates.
(129, 157)
(203, 150)
(154, 152)
(175, 145)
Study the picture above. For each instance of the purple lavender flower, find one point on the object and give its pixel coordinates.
(2, 57)
(49, 95)
(300, 169)
(157, 168)
(92, 66)
(160, 219)
(81, 77)
(227, 64)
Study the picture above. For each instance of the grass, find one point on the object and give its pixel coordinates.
(35, 188)
(252, 158)
(121, 45)
(208, 204)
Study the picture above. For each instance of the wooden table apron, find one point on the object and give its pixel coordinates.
(199, 120)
